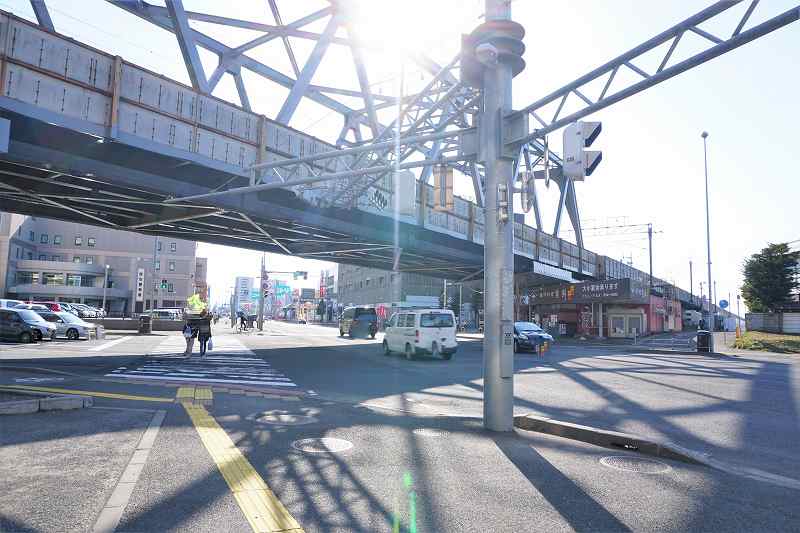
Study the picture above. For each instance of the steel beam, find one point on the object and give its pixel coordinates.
(309, 69)
(186, 42)
(42, 14)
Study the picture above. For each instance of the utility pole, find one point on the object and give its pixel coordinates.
(650, 251)
(261, 295)
(704, 135)
(498, 256)
(691, 281)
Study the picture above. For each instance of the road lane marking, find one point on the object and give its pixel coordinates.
(110, 344)
(108, 519)
(91, 393)
(263, 510)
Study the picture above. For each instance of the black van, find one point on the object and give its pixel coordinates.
(358, 322)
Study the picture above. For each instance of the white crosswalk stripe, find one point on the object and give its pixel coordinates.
(229, 363)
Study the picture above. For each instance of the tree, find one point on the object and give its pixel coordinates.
(770, 278)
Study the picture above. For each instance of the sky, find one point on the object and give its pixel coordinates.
(652, 168)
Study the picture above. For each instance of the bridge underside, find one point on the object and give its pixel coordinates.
(55, 172)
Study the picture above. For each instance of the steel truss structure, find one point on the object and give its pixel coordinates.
(429, 125)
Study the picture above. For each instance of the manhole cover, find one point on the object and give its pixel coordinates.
(284, 419)
(427, 432)
(635, 464)
(322, 445)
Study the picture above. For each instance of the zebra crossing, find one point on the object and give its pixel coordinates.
(229, 363)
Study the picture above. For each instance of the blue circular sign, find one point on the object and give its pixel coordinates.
(723, 304)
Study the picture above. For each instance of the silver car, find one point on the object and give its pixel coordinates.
(69, 326)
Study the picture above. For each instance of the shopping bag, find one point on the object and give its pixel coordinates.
(210, 345)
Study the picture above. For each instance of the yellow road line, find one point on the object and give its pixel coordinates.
(203, 393)
(91, 393)
(260, 506)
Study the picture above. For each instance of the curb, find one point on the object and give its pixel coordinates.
(45, 402)
(608, 439)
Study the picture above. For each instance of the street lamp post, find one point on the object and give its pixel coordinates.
(704, 135)
(105, 284)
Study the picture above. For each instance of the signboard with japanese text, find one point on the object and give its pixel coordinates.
(609, 291)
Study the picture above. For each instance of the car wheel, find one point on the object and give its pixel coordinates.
(372, 335)
(72, 334)
(53, 336)
(37, 335)
(409, 352)
(386, 350)
(25, 337)
(447, 356)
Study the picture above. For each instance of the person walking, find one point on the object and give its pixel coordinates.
(204, 332)
(189, 334)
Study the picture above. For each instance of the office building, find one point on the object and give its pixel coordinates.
(50, 260)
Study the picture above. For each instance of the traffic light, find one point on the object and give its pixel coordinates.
(579, 162)
(164, 284)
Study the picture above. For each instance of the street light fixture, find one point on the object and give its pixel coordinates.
(710, 321)
(105, 284)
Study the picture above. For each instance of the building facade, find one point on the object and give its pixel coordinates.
(370, 286)
(50, 260)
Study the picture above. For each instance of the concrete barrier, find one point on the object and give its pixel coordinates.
(132, 324)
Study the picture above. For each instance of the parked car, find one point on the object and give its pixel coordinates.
(68, 307)
(528, 336)
(421, 331)
(98, 313)
(69, 326)
(165, 314)
(84, 311)
(53, 306)
(9, 304)
(358, 322)
(32, 307)
(24, 325)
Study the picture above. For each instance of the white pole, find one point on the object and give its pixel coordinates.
(105, 284)
(704, 135)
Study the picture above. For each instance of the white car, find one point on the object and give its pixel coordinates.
(421, 331)
(69, 326)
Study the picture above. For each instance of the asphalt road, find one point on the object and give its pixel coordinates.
(418, 459)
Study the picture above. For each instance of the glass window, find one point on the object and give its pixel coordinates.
(32, 237)
(91, 241)
(158, 264)
(52, 278)
(76, 259)
(44, 238)
(173, 247)
(436, 320)
(73, 280)
(42, 257)
(87, 281)
(367, 282)
(56, 239)
(158, 245)
(56, 258)
(172, 266)
(17, 252)
(89, 260)
(27, 278)
(30, 255)
(78, 240)
(170, 288)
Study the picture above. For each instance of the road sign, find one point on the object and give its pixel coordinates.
(723, 304)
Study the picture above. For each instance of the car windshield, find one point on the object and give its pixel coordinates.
(436, 320)
(70, 318)
(30, 316)
(528, 326)
(366, 314)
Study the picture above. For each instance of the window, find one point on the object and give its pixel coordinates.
(367, 282)
(76, 259)
(172, 266)
(158, 245)
(380, 281)
(78, 240)
(173, 247)
(73, 280)
(158, 264)
(44, 238)
(56, 258)
(32, 237)
(27, 278)
(56, 239)
(436, 320)
(30, 255)
(170, 287)
(89, 259)
(52, 278)
(91, 241)
(17, 252)
(42, 257)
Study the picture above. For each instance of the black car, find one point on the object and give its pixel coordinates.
(24, 325)
(358, 322)
(529, 336)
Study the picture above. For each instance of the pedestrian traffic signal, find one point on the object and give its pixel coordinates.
(164, 284)
(579, 162)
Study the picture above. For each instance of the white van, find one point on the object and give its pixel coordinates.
(421, 331)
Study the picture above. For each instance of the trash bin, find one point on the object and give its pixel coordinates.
(145, 324)
(703, 340)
